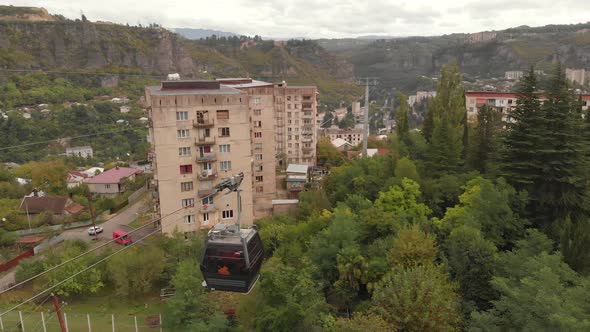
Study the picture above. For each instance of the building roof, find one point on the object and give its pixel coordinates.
(38, 204)
(74, 208)
(113, 175)
(29, 239)
(241, 83)
(92, 171)
(339, 142)
(296, 178)
(220, 89)
(297, 168)
(78, 173)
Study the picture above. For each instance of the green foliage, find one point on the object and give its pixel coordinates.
(135, 271)
(575, 245)
(405, 168)
(311, 202)
(485, 144)
(28, 268)
(538, 291)
(361, 322)
(418, 298)
(328, 155)
(412, 247)
(87, 283)
(401, 116)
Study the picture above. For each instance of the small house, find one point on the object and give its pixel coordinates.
(125, 109)
(80, 151)
(111, 182)
(341, 144)
(297, 176)
(75, 178)
(58, 205)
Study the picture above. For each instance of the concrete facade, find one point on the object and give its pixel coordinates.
(354, 136)
(576, 75)
(200, 133)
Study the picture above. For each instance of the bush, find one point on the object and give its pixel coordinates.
(28, 268)
(104, 204)
(44, 218)
(84, 216)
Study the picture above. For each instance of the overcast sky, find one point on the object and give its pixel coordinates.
(329, 19)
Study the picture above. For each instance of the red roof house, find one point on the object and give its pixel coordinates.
(111, 182)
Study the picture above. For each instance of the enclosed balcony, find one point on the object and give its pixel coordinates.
(203, 123)
(205, 192)
(209, 174)
(206, 157)
(208, 208)
(201, 140)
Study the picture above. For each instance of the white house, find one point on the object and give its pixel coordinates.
(80, 151)
(124, 109)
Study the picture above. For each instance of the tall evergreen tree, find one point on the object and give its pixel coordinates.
(447, 109)
(485, 142)
(402, 124)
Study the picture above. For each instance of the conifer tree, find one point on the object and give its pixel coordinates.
(402, 117)
(485, 143)
(447, 109)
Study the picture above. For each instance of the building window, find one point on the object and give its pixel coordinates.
(186, 186)
(225, 165)
(258, 168)
(289, 98)
(183, 133)
(184, 151)
(222, 114)
(258, 156)
(224, 148)
(259, 189)
(289, 137)
(189, 219)
(257, 112)
(188, 202)
(207, 200)
(257, 146)
(256, 100)
(259, 178)
(288, 114)
(224, 132)
(186, 169)
(206, 218)
(181, 116)
(227, 214)
(107, 186)
(289, 122)
(290, 145)
(288, 106)
(289, 129)
(257, 134)
(257, 124)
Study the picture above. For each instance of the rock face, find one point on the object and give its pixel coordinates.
(78, 44)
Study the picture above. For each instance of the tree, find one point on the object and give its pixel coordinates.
(49, 176)
(412, 247)
(418, 298)
(485, 144)
(402, 125)
(135, 271)
(448, 113)
(328, 155)
(363, 322)
(575, 245)
(405, 168)
(471, 260)
(538, 291)
(189, 309)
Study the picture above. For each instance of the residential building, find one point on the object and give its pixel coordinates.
(231, 125)
(75, 178)
(341, 144)
(80, 151)
(576, 75)
(420, 96)
(354, 136)
(513, 75)
(296, 179)
(296, 124)
(111, 182)
(35, 204)
(200, 132)
(501, 101)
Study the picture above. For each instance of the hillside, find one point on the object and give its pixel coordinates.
(400, 62)
(196, 34)
(102, 46)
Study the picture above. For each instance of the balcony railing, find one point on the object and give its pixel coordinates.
(203, 123)
(306, 139)
(206, 157)
(205, 192)
(207, 175)
(207, 208)
(204, 140)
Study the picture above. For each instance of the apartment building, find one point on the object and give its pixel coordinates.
(205, 131)
(576, 75)
(296, 124)
(200, 131)
(502, 101)
(353, 136)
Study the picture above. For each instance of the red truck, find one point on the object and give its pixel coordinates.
(121, 237)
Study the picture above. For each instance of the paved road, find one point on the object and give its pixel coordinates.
(119, 221)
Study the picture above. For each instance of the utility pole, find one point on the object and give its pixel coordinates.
(58, 312)
(92, 213)
(366, 113)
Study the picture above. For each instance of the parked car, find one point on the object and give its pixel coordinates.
(121, 237)
(94, 230)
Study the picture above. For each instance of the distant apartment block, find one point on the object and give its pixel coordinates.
(576, 75)
(354, 136)
(513, 75)
(205, 131)
(501, 101)
(480, 37)
(80, 151)
(420, 96)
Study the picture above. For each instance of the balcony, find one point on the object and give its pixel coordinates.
(204, 140)
(205, 192)
(307, 149)
(203, 123)
(206, 175)
(208, 208)
(206, 158)
(306, 139)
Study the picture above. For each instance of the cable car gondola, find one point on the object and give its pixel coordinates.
(233, 256)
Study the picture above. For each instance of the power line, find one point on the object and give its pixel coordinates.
(78, 273)
(64, 138)
(83, 254)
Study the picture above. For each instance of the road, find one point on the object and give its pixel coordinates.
(119, 221)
